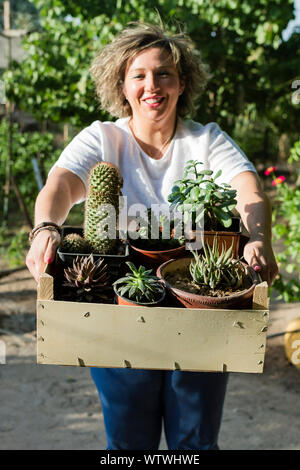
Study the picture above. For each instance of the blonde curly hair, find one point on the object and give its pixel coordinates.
(109, 66)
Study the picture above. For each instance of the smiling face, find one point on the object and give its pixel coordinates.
(152, 86)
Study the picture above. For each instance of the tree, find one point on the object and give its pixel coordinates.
(24, 15)
(26, 146)
(240, 41)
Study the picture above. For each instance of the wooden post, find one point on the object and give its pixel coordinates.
(260, 297)
(45, 289)
(21, 202)
(9, 33)
(66, 133)
(6, 13)
(8, 107)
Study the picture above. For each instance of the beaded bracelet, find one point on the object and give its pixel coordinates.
(49, 227)
(44, 225)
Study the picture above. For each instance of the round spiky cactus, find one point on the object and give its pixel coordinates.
(102, 207)
(74, 243)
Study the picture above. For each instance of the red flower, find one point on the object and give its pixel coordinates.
(278, 180)
(270, 170)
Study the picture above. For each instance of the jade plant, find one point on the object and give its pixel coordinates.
(139, 285)
(200, 197)
(216, 268)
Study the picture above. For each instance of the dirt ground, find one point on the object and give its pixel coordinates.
(56, 407)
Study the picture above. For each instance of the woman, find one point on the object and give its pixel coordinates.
(150, 81)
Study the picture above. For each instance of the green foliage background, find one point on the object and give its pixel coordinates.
(252, 67)
(25, 147)
(249, 95)
(286, 219)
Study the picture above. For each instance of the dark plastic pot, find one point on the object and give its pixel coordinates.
(115, 262)
(240, 300)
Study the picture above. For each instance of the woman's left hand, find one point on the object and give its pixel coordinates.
(260, 256)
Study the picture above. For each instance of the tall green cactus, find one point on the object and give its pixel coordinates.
(105, 183)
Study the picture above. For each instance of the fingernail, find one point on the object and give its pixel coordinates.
(257, 268)
(49, 260)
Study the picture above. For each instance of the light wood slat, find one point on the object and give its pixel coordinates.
(72, 333)
(260, 297)
(45, 287)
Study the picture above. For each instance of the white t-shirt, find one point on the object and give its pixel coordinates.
(148, 181)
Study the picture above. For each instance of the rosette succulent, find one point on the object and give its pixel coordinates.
(87, 280)
(139, 285)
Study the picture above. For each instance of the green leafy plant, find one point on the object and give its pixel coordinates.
(13, 247)
(286, 234)
(241, 42)
(199, 196)
(295, 152)
(215, 269)
(139, 285)
(25, 147)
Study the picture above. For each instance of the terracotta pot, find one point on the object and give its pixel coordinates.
(239, 300)
(124, 301)
(224, 237)
(154, 258)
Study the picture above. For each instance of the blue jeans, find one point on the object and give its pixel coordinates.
(135, 403)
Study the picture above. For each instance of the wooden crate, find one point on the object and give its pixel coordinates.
(107, 335)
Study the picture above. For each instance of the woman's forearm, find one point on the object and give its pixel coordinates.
(52, 205)
(254, 207)
(62, 190)
(257, 217)
(255, 210)
(56, 199)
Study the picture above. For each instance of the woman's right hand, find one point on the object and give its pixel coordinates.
(42, 252)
